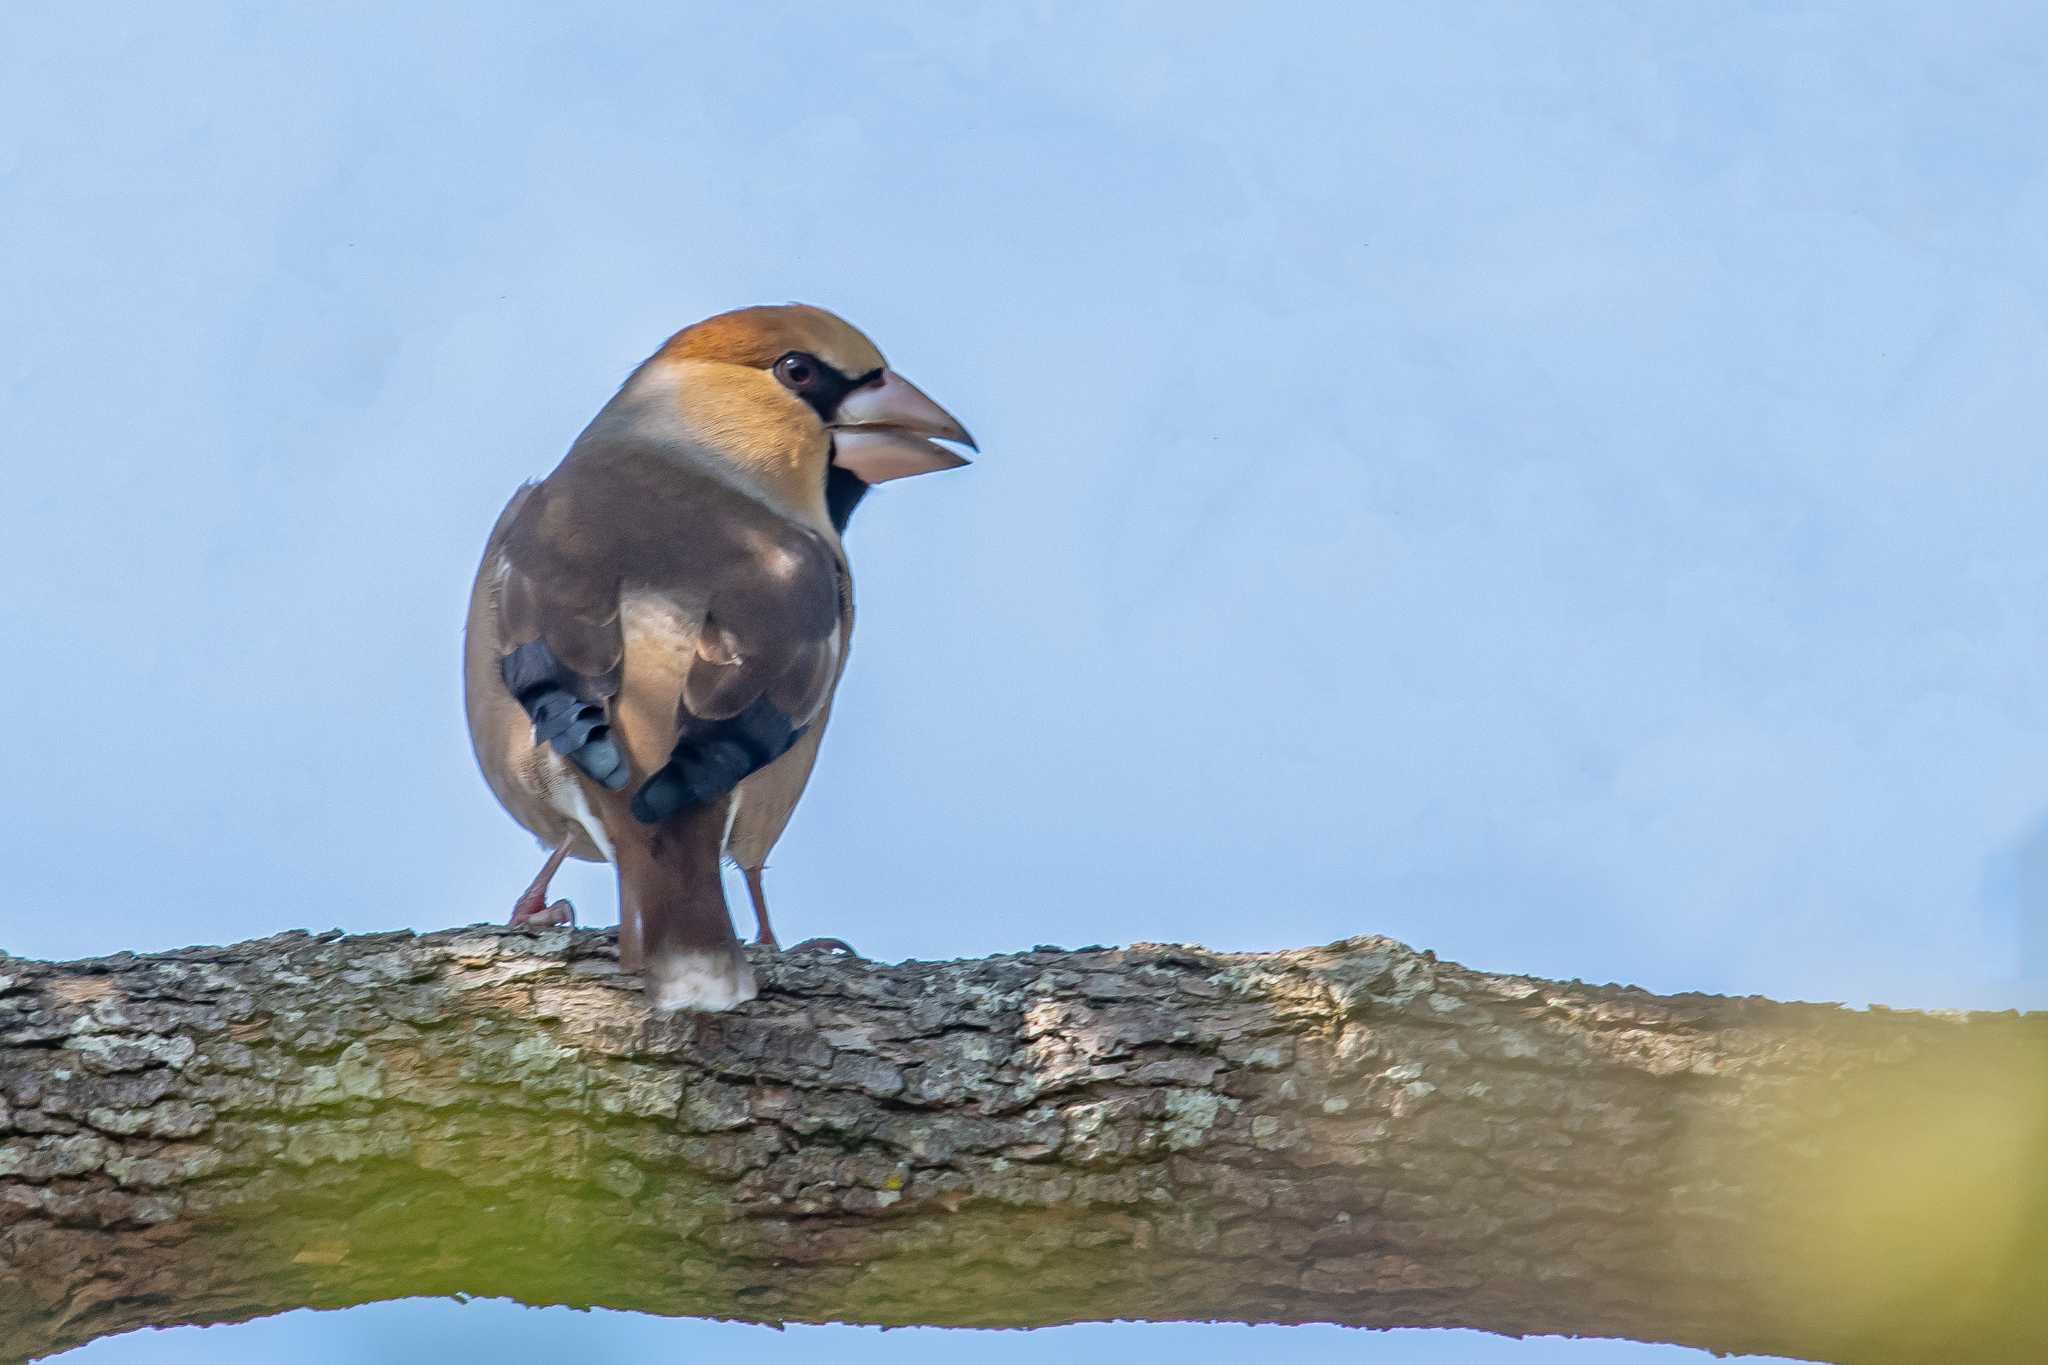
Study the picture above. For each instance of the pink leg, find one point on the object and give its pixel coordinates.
(764, 936)
(532, 907)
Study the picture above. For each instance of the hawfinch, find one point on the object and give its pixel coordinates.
(658, 626)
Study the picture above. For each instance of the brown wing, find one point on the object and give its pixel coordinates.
(754, 598)
(562, 656)
(770, 796)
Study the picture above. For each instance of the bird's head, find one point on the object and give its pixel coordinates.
(796, 378)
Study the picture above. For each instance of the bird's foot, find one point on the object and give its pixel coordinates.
(822, 945)
(533, 912)
(533, 909)
(764, 936)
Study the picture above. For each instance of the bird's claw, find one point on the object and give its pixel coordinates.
(539, 916)
(822, 945)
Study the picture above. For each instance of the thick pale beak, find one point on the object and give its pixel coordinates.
(887, 429)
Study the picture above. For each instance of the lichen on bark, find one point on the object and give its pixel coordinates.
(1357, 1133)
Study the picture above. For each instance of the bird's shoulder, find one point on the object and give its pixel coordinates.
(626, 517)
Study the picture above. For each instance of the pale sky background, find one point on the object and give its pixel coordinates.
(1561, 485)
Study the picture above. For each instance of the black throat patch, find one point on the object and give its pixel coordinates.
(843, 488)
(843, 491)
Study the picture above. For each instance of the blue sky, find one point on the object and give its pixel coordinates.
(1562, 485)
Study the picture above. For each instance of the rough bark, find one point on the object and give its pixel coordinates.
(1358, 1134)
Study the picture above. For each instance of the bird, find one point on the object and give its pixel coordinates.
(656, 629)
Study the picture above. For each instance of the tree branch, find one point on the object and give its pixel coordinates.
(1358, 1134)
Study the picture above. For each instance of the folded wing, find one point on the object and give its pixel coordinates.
(636, 590)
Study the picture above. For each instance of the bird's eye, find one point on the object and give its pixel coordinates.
(797, 370)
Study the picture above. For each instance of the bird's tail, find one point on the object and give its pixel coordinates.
(673, 925)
